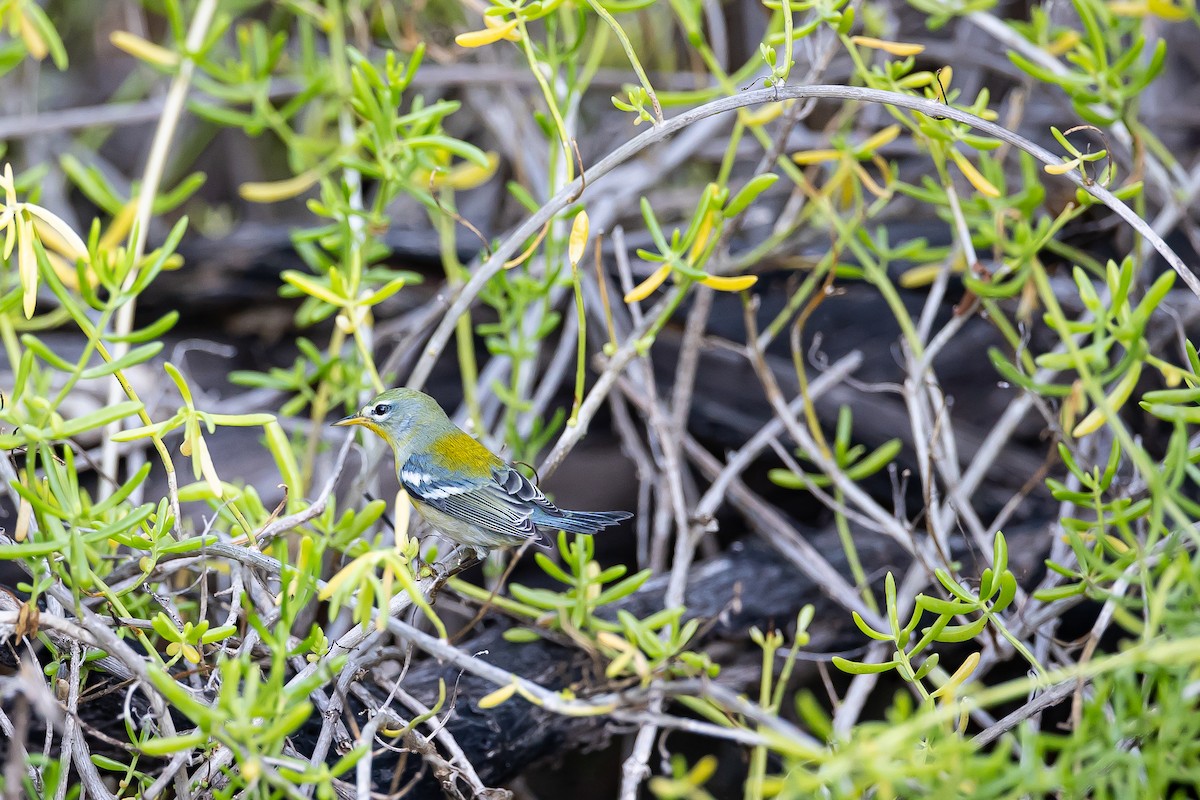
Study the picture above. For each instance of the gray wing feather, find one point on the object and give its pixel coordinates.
(503, 504)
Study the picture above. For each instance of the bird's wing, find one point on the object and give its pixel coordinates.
(503, 503)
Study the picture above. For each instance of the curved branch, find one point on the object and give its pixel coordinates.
(571, 192)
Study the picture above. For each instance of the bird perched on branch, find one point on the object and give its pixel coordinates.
(460, 487)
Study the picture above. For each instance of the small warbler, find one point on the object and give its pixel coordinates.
(459, 486)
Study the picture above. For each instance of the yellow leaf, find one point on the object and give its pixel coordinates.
(647, 287)
(26, 265)
(251, 770)
(893, 48)
(385, 593)
(1129, 9)
(950, 687)
(1029, 302)
(916, 80)
(868, 182)
(981, 184)
(1073, 405)
(467, 175)
(33, 40)
(310, 286)
(761, 116)
(119, 227)
(1064, 43)
(403, 512)
(702, 237)
(66, 272)
(21, 530)
(1172, 375)
(733, 284)
(879, 139)
(1167, 10)
(335, 583)
(577, 243)
(10, 187)
(56, 234)
(10, 232)
(704, 769)
(487, 36)
(618, 643)
(1116, 544)
(922, 275)
(207, 469)
(274, 191)
(496, 22)
(498, 697)
(618, 665)
(1116, 398)
(1063, 168)
(806, 157)
(139, 48)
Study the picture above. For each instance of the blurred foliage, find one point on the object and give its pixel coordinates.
(334, 87)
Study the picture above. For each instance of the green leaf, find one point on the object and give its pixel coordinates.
(868, 630)
(94, 185)
(221, 115)
(962, 633)
(169, 201)
(165, 628)
(146, 431)
(39, 347)
(1056, 593)
(123, 523)
(193, 544)
(98, 419)
(137, 355)
(862, 668)
(622, 589)
(166, 745)
(31, 549)
(45, 28)
(985, 583)
(937, 605)
(104, 762)
(1008, 590)
(291, 719)
(152, 331)
(882, 456)
(553, 570)
(926, 667)
(952, 586)
(312, 287)
(540, 598)
(748, 194)
(459, 148)
(240, 420)
(383, 293)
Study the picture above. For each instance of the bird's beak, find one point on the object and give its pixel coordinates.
(353, 419)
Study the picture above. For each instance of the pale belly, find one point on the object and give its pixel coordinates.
(464, 533)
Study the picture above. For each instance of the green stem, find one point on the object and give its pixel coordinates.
(630, 54)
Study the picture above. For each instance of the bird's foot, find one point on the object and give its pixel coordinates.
(461, 558)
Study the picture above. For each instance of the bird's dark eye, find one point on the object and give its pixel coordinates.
(381, 409)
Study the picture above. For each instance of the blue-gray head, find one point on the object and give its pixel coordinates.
(404, 418)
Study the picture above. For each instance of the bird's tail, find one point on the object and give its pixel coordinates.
(582, 521)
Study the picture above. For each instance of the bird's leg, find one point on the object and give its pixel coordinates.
(462, 557)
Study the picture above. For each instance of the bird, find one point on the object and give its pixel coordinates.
(463, 490)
